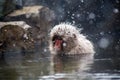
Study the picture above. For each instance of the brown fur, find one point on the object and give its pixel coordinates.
(13, 36)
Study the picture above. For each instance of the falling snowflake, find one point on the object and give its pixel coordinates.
(25, 36)
(91, 16)
(115, 10)
(102, 33)
(45, 50)
(103, 43)
(82, 1)
(64, 44)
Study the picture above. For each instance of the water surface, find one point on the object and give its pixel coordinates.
(39, 66)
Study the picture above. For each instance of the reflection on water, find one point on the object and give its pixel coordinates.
(37, 66)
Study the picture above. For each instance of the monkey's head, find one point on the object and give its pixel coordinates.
(63, 38)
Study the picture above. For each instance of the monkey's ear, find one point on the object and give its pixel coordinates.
(74, 36)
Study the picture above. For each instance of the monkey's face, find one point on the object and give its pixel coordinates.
(57, 43)
(63, 43)
(63, 38)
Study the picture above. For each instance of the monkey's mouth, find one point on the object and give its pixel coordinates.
(57, 43)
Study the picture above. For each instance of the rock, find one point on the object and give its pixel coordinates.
(39, 17)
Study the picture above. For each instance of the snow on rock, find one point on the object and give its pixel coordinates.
(26, 10)
(19, 23)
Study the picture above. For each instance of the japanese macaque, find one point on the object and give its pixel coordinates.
(14, 37)
(66, 39)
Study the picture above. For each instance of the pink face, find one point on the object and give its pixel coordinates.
(58, 44)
